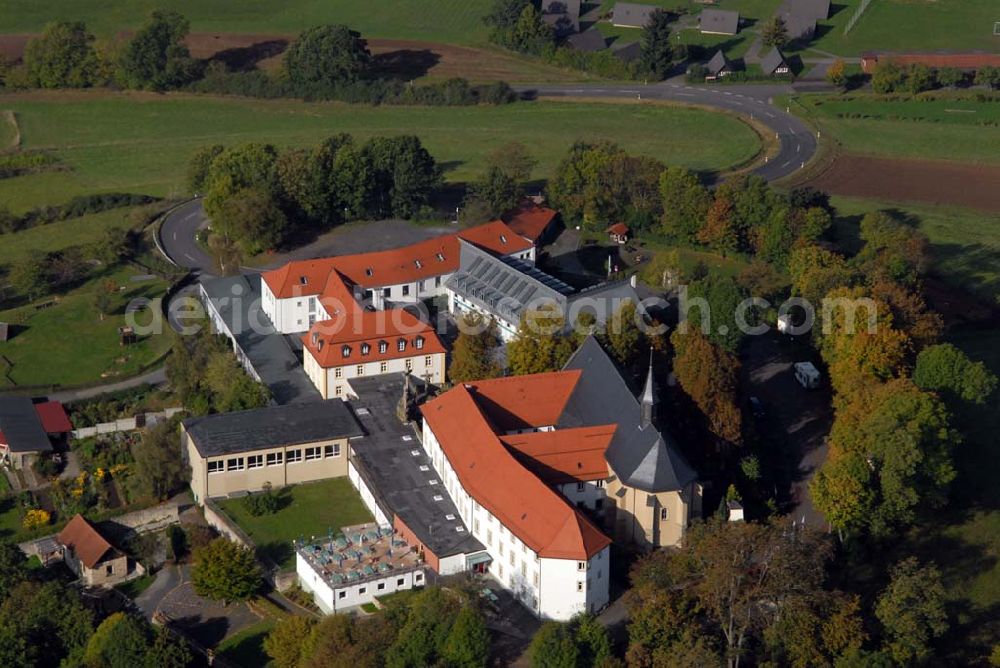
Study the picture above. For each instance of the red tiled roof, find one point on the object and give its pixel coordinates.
(85, 540)
(325, 340)
(416, 262)
(564, 455)
(536, 513)
(530, 220)
(621, 229)
(524, 402)
(53, 417)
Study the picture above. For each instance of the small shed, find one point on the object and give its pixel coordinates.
(719, 22)
(89, 554)
(719, 66)
(773, 64)
(619, 233)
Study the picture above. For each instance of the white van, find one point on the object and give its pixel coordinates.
(807, 374)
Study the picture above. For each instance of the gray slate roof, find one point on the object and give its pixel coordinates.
(632, 14)
(720, 21)
(21, 426)
(639, 455)
(799, 27)
(588, 40)
(272, 427)
(269, 353)
(772, 61)
(717, 63)
(627, 52)
(571, 7)
(562, 24)
(817, 10)
(504, 285)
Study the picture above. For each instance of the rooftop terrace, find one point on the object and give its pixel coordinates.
(358, 554)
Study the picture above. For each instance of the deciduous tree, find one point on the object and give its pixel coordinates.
(775, 32)
(252, 218)
(156, 57)
(285, 644)
(225, 571)
(513, 159)
(835, 74)
(327, 55)
(710, 376)
(946, 369)
(62, 56)
(685, 202)
(540, 344)
(473, 357)
(911, 610)
(159, 462)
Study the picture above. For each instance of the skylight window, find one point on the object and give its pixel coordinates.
(420, 265)
(346, 351)
(440, 257)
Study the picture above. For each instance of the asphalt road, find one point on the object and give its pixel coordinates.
(798, 143)
(177, 235)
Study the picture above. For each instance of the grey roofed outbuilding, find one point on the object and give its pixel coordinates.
(571, 7)
(772, 61)
(719, 21)
(817, 10)
(562, 24)
(236, 300)
(22, 428)
(799, 27)
(639, 454)
(717, 64)
(272, 427)
(588, 40)
(627, 52)
(504, 286)
(632, 14)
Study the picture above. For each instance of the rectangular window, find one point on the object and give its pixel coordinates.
(338, 372)
(580, 486)
(400, 582)
(312, 304)
(428, 361)
(524, 570)
(401, 345)
(332, 450)
(534, 580)
(218, 466)
(475, 525)
(383, 367)
(663, 514)
(274, 458)
(419, 577)
(293, 456)
(501, 549)
(581, 565)
(579, 586)
(362, 590)
(489, 537)
(380, 586)
(338, 391)
(386, 292)
(437, 281)
(512, 558)
(406, 290)
(409, 364)
(235, 464)
(255, 461)
(341, 594)
(361, 370)
(314, 453)
(600, 484)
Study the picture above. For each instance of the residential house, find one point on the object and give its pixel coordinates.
(627, 53)
(370, 343)
(279, 445)
(719, 22)
(718, 67)
(774, 64)
(28, 429)
(631, 14)
(92, 557)
(817, 10)
(618, 233)
(534, 222)
(799, 28)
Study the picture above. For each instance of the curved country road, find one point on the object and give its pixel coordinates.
(797, 144)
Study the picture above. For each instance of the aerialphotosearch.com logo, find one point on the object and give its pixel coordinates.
(243, 312)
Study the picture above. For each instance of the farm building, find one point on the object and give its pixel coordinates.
(719, 22)
(773, 64)
(92, 558)
(632, 14)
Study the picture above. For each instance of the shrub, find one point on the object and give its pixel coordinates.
(36, 518)
(265, 503)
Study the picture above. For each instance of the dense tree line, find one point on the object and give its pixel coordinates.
(432, 627)
(890, 77)
(256, 194)
(330, 62)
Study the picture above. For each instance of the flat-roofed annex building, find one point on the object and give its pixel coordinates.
(280, 445)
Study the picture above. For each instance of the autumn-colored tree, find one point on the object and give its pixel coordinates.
(910, 313)
(912, 612)
(893, 250)
(719, 230)
(622, 334)
(816, 271)
(710, 376)
(816, 631)
(541, 343)
(473, 357)
(835, 75)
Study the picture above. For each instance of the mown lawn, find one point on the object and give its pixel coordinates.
(307, 510)
(966, 243)
(909, 25)
(934, 130)
(141, 143)
(66, 343)
(246, 648)
(457, 21)
(8, 132)
(57, 236)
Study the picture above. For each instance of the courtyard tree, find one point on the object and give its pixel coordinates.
(774, 32)
(160, 469)
(327, 55)
(226, 571)
(710, 376)
(657, 51)
(623, 336)
(540, 344)
(468, 642)
(62, 56)
(473, 356)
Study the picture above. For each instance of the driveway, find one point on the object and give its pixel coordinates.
(801, 418)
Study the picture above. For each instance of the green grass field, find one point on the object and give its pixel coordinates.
(66, 343)
(901, 25)
(8, 131)
(310, 510)
(59, 235)
(935, 130)
(246, 648)
(966, 243)
(141, 143)
(455, 21)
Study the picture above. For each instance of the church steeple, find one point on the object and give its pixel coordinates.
(647, 403)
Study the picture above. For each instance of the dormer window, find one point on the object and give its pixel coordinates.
(303, 280)
(401, 344)
(346, 351)
(369, 271)
(419, 342)
(420, 265)
(365, 348)
(383, 347)
(440, 257)
(503, 239)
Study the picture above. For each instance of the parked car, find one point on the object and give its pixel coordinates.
(807, 374)
(757, 407)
